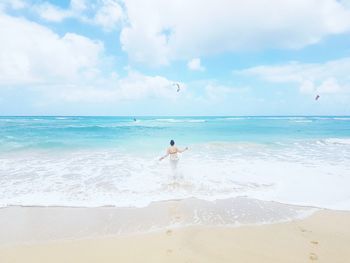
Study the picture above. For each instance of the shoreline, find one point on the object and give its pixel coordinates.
(321, 237)
(31, 225)
(169, 201)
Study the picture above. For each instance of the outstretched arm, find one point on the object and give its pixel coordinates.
(181, 151)
(166, 155)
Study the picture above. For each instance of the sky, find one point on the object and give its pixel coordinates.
(123, 57)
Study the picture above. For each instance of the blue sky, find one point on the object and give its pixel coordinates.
(122, 57)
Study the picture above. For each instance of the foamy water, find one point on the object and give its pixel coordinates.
(89, 162)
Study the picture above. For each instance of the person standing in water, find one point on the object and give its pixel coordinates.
(172, 152)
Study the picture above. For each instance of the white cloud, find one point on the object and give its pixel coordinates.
(329, 77)
(105, 13)
(70, 68)
(139, 87)
(33, 53)
(13, 4)
(53, 13)
(78, 5)
(217, 92)
(195, 64)
(161, 31)
(134, 86)
(109, 15)
(145, 47)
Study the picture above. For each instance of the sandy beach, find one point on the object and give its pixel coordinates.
(181, 131)
(322, 237)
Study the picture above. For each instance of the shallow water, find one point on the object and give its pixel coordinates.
(97, 161)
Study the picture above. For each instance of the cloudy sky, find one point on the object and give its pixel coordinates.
(122, 57)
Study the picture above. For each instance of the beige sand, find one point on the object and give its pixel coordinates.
(323, 237)
(42, 224)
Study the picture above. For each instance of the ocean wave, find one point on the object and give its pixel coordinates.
(301, 121)
(220, 170)
(282, 117)
(233, 118)
(345, 141)
(230, 145)
(180, 120)
(342, 118)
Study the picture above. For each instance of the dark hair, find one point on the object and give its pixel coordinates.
(172, 142)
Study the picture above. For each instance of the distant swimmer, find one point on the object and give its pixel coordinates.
(134, 119)
(317, 97)
(172, 152)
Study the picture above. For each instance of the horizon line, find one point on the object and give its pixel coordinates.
(132, 116)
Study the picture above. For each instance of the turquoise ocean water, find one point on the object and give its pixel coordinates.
(95, 161)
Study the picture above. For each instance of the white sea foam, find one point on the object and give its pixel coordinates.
(337, 141)
(303, 173)
(284, 118)
(342, 118)
(180, 120)
(302, 121)
(232, 118)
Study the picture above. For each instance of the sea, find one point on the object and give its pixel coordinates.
(80, 161)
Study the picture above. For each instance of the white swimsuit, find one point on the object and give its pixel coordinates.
(174, 157)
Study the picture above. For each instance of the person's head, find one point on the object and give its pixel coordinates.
(172, 142)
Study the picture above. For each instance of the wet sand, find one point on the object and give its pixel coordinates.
(322, 237)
